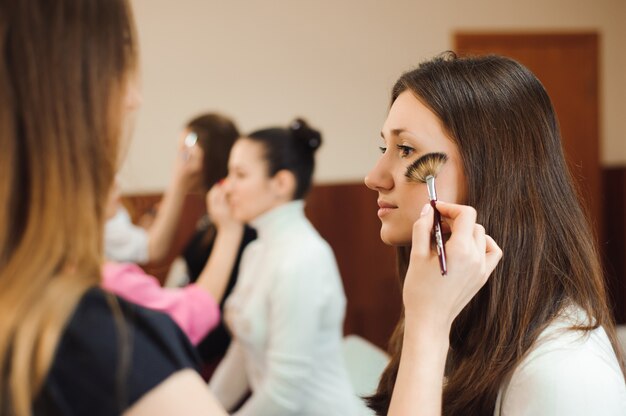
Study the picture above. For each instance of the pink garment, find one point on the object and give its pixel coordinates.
(191, 307)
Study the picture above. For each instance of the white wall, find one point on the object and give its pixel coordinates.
(332, 61)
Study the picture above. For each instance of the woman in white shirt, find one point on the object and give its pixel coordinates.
(537, 337)
(287, 309)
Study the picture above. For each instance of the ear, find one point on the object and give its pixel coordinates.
(284, 185)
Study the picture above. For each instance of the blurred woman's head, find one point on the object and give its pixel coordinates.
(66, 82)
(270, 167)
(216, 135)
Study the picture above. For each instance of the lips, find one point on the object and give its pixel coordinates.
(383, 204)
(385, 208)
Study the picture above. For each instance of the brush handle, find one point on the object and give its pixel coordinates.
(441, 251)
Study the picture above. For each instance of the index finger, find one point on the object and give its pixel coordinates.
(214, 193)
(461, 218)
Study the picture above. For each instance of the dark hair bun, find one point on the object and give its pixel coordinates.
(304, 134)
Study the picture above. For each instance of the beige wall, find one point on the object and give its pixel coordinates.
(331, 61)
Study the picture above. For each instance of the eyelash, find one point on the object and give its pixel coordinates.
(405, 151)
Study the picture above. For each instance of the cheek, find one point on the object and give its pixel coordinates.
(451, 188)
(451, 185)
(249, 197)
(397, 229)
(416, 196)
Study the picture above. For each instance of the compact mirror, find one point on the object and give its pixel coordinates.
(191, 139)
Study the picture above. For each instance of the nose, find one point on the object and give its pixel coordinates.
(379, 178)
(227, 185)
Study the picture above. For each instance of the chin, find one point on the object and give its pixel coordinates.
(239, 216)
(394, 239)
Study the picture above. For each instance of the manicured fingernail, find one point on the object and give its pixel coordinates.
(425, 210)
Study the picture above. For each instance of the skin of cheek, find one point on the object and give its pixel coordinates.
(250, 200)
(252, 194)
(239, 203)
(397, 229)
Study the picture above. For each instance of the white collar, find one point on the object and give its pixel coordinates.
(278, 218)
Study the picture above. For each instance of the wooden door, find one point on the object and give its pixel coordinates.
(567, 65)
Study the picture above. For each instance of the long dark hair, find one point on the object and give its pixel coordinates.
(501, 118)
(216, 136)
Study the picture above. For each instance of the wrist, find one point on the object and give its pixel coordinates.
(179, 186)
(233, 229)
(180, 183)
(423, 326)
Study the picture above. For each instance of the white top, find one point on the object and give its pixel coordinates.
(567, 373)
(123, 240)
(286, 314)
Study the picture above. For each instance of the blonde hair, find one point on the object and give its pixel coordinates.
(63, 74)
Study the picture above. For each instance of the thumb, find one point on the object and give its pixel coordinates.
(493, 254)
(422, 232)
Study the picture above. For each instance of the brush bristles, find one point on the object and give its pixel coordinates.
(428, 165)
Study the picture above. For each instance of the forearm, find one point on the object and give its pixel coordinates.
(419, 384)
(229, 382)
(217, 271)
(194, 310)
(261, 403)
(162, 231)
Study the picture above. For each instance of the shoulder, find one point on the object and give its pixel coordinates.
(113, 352)
(305, 243)
(568, 372)
(101, 316)
(308, 254)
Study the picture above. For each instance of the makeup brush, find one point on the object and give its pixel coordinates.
(424, 170)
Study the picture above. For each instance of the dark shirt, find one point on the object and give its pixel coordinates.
(196, 254)
(99, 371)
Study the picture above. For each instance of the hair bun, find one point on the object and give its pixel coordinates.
(304, 134)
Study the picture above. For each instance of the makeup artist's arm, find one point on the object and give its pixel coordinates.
(216, 273)
(432, 302)
(182, 393)
(229, 382)
(186, 175)
(195, 307)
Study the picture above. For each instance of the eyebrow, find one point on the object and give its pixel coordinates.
(398, 132)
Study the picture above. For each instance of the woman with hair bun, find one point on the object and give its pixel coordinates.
(287, 309)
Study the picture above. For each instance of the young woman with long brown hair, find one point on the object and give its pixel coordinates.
(66, 347)
(526, 332)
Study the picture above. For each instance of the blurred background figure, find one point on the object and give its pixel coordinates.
(195, 306)
(68, 90)
(200, 163)
(287, 309)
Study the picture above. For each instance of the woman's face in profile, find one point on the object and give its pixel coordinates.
(411, 131)
(251, 192)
